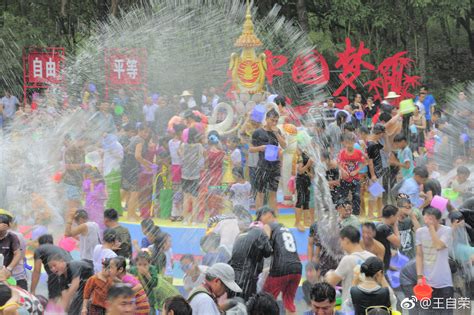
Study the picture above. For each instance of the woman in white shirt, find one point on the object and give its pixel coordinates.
(105, 250)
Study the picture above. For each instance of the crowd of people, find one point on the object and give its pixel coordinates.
(385, 169)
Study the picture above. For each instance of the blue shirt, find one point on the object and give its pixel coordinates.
(403, 156)
(428, 102)
(412, 189)
(145, 243)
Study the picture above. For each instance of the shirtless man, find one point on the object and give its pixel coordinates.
(368, 241)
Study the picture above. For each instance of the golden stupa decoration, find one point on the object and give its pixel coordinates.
(248, 70)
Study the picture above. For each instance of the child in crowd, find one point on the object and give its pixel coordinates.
(363, 134)
(106, 249)
(312, 277)
(192, 154)
(332, 175)
(96, 290)
(147, 226)
(404, 158)
(96, 195)
(430, 144)
(169, 258)
(176, 161)
(161, 254)
(230, 148)
(148, 276)
(118, 271)
(151, 233)
(349, 165)
(146, 176)
(236, 155)
(215, 161)
(240, 191)
(303, 183)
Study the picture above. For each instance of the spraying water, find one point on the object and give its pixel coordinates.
(188, 45)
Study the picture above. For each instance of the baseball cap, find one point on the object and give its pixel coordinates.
(378, 129)
(226, 274)
(264, 210)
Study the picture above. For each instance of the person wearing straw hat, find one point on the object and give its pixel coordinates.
(219, 279)
(390, 98)
(187, 97)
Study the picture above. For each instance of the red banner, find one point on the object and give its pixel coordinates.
(125, 69)
(44, 67)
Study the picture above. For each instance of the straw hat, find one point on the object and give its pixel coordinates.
(392, 94)
(186, 93)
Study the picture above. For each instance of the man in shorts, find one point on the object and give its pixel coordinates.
(374, 153)
(285, 270)
(268, 173)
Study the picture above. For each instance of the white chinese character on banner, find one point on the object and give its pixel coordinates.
(132, 69)
(37, 68)
(50, 68)
(118, 67)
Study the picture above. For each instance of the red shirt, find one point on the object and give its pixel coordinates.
(215, 160)
(350, 162)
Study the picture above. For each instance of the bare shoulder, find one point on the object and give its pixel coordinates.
(379, 246)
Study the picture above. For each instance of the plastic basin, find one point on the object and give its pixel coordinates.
(439, 202)
(376, 189)
(271, 153)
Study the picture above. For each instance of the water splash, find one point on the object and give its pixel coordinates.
(188, 45)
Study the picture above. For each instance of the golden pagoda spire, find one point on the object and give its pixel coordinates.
(248, 39)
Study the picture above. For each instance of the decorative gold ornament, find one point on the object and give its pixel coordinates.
(248, 70)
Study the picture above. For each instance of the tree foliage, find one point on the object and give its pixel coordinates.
(438, 34)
